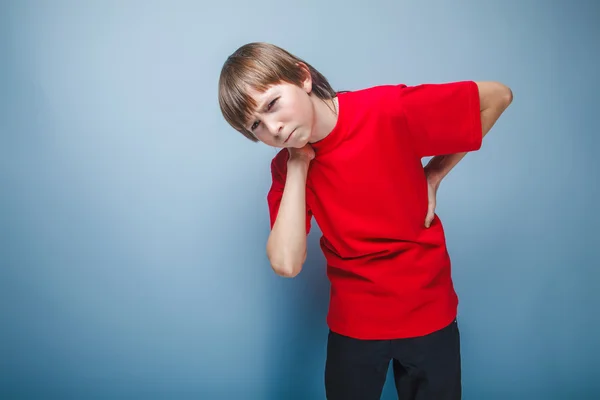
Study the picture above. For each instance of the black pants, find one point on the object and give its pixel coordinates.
(425, 367)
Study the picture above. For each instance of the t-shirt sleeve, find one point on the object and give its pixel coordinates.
(278, 174)
(440, 118)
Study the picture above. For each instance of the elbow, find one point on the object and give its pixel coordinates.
(287, 271)
(507, 96)
(285, 265)
(504, 95)
(494, 95)
(285, 262)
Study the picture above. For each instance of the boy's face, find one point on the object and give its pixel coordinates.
(285, 115)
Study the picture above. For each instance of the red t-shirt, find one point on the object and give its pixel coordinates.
(366, 188)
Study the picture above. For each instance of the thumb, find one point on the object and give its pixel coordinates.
(430, 216)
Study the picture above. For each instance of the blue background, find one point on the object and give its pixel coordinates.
(133, 220)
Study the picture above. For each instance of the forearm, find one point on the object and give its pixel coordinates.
(494, 99)
(286, 246)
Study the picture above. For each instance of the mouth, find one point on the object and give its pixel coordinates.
(288, 138)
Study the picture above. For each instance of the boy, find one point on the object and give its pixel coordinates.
(353, 161)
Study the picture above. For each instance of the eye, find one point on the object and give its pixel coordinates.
(271, 104)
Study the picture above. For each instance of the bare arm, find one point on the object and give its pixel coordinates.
(494, 98)
(286, 246)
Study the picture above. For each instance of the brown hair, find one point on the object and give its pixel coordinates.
(257, 66)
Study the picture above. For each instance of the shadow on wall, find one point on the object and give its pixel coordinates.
(299, 330)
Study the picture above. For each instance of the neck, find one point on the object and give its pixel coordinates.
(325, 118)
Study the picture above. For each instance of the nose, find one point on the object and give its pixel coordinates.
(274, 127)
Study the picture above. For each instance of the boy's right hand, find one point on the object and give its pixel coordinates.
(305, 153)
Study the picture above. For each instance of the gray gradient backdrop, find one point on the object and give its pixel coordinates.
(133, 219)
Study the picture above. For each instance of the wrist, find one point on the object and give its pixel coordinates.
(298, 162)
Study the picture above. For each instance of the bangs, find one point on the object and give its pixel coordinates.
(235, 98)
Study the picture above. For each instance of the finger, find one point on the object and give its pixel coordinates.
(430, 216)
(428, 221)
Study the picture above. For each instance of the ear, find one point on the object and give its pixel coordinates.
(307, 82)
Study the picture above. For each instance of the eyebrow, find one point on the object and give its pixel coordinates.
(265, 102)
(260, 107)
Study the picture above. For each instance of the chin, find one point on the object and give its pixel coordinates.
(299, 145)
(302, 141)
(298, 141)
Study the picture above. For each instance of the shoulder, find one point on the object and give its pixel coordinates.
(373, 92)
(372, 101)
(379, 97)
(401, 90)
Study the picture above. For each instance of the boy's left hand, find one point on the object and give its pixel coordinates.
(433, 184)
